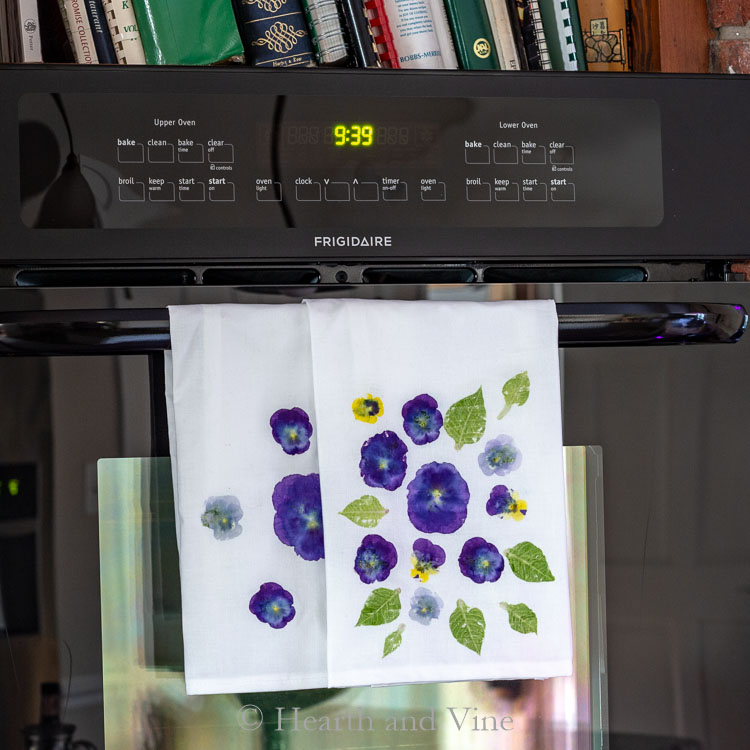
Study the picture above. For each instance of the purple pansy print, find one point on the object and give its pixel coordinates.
(299, 518)
(375, 558)
(292, 430)
(426, 558)
(480, 561)
(506, 503)
(273, 605)
(501, 456)
(383, 461)
(422, 419)
(222, 515)
(425, 606)
(437, 499)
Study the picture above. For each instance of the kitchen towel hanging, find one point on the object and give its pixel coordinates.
(247, 497)
(440, 455)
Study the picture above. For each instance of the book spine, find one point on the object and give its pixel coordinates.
(605, 34)
(360, 33)
(80, 32)
(124, 30)
(274, 33)
(502, 28)
(575, 21)
(558, 30)
(28, 26)
(414, 34)
(473, 35)
(105, 50)
(535, 43)
(327, 31)
(443, 31)
(382, 34)
(515, 25)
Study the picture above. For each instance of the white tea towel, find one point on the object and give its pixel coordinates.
(440, 452)
(247, 499)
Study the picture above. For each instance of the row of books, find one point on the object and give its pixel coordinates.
(452, 34)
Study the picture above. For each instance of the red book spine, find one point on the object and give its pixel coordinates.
(381, 31)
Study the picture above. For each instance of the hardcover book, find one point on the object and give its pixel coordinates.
(502, 31)
(123, 27)
(105, 50)
(473, 35)
(558, 30)
(274, 33)
(77, 25)
(187, 32)
(604, 26)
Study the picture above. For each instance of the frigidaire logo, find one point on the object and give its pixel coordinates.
(353, 241)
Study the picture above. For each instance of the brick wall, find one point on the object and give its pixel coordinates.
(730, 51)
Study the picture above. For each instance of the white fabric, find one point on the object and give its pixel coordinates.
(231, 368)
(396, 351)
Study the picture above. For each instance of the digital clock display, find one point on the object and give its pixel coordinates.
(357, 135)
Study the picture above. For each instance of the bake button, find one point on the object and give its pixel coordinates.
(221, 192)
(132, 192)
(534, 155)
(478, 191)
(395, 191)
(338, 191)
(308, 191)
(160, 191)
(366, 191)
(132, 154)
(434, 191)
(223, 154)
(562, 155)
(562, 193)
(505, 154)
(477, 154)
(267, 191)
(190, 154)
(535, 193)
(193, 192)
(163, 154)
(507, 192)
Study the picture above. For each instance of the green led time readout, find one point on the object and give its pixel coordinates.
(12, 487)
(357, 135)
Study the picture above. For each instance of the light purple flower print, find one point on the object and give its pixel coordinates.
(501, 456)
(222, 515)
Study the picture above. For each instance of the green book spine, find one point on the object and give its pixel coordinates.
(187, 32)
(577, 34)
(472, 34)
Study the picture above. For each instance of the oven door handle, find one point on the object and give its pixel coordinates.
(144, 331)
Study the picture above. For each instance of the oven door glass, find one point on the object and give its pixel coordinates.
(144, 695)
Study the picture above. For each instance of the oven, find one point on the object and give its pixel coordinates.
(623, 198)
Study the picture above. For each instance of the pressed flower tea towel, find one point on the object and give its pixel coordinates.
(247, 495)
(440, 455)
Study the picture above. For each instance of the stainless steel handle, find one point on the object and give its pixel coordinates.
(144, 331)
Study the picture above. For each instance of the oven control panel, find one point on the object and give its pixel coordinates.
(145, 161)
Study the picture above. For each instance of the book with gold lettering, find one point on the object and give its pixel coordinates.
(472, 34)
(274, 33)
(187, 32)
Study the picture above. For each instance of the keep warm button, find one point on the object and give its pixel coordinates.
(220, 190)
(160, 191)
